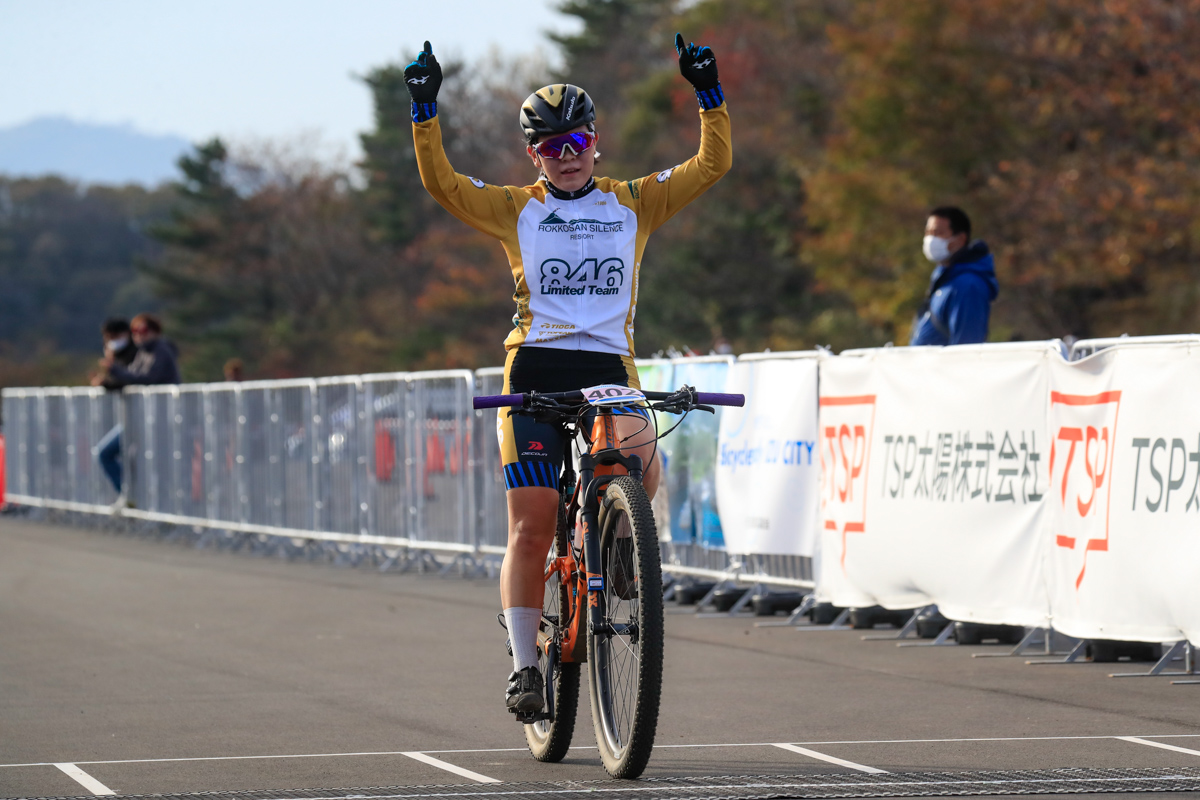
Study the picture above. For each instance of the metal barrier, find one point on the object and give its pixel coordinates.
(396, 461)
(490, 501)
(1086, 347)
(384, 460)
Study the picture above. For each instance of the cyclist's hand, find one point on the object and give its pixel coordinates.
(423, 77)
(697, 64)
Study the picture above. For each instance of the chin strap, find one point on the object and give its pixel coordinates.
(575, 195)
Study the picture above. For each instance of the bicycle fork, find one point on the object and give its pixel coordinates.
(593, 486)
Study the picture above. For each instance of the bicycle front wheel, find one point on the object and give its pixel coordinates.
(625, 658)
(550, 739)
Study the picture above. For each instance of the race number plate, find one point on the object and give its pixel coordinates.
(612, 395)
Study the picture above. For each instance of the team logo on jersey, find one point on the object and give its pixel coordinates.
(478, 184)
(556, 224)
(665, 175)
(590, 277)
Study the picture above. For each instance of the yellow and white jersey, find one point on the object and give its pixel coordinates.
(575, 258)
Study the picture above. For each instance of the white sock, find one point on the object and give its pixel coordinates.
(522, 633)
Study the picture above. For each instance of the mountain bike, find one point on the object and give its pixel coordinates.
(603, 604)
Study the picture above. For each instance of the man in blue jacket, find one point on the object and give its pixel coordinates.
(963, 284)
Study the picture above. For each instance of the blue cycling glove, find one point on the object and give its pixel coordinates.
(423, 79)
(698, 66)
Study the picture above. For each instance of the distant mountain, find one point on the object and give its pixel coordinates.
(89, 153)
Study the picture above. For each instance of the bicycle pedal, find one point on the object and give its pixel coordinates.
(530, 717)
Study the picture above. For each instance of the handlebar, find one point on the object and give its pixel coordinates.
(497, 401)
(718, 399)
(700, 398)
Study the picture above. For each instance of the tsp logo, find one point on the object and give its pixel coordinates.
(1085, 437)
(847, 424)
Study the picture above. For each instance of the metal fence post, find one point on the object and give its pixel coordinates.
(239, 458)
(175, 413)
(211, 484)
(123, 456)
(95, 407)
(72, 492)
(369, 456)
(275, 482)
(41, 469)
(465, 446)
(365, 412)
(413, 459)
(314, 421)
(148, 421)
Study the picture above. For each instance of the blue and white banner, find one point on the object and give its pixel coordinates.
(690, 454)
(768, 464)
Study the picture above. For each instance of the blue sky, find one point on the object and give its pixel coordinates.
(245, 69)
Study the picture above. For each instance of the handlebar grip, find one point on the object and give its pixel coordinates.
(497, 401)
(717, 399)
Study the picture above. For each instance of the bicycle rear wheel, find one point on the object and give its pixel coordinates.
(625, 661)
(550, 739)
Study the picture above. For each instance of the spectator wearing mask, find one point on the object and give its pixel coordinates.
(118, 345)
(120, 349)
(154, 364)
(963, 284)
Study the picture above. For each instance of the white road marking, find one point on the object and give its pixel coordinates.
(446, 765)
(1139, 740)
(627, 788)
(841, 762)
(86, 781)
(592, 747)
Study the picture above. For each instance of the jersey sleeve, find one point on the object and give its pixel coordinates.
(487, 208)
(663, 194)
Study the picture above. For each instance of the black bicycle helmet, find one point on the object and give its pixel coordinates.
(556, 108)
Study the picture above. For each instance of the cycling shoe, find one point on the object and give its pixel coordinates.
(526, 692)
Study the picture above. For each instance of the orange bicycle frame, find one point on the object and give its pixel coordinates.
(574, 645)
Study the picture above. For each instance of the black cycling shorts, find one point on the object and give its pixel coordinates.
(532, 451)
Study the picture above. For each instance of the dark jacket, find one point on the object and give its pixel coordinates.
(958, 302)
(124, 357)
(155, 363)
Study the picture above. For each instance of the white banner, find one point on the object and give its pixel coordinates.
(1124, 502)
(768, 468)
(933, 477)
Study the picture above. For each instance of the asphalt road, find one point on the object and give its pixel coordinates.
(158, 668)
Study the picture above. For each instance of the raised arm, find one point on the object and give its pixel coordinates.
(490, 209)
(664, 193)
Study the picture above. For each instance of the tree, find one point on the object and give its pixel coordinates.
(1067, 131)
(729, 266)
(67, 254)
(268, 262)
(450, 285)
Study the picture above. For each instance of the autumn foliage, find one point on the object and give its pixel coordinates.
(1068, 130)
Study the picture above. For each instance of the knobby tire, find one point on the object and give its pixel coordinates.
(625, 671)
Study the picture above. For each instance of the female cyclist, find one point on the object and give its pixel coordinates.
(575, 245)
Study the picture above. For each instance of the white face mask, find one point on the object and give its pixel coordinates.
(116, 344)
(936, 249)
